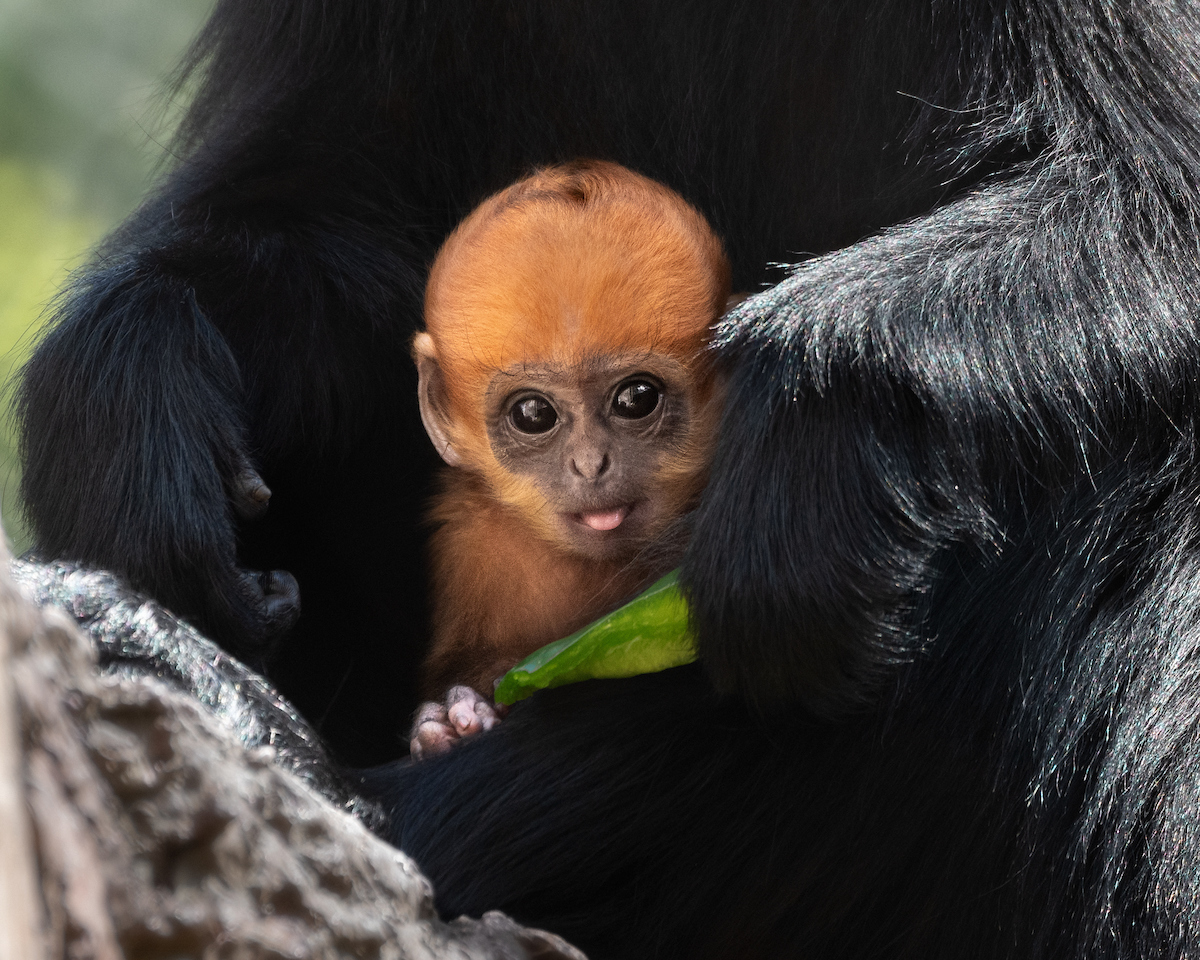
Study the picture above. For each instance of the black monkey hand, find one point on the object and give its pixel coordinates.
(276, 594)
(270, 599)
(132, 426)
(250, 495)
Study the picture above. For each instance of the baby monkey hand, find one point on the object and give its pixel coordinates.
(462, 712)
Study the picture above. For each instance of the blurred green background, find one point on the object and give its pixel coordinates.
(83, 119)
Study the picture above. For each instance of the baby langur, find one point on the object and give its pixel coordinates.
(564, 380)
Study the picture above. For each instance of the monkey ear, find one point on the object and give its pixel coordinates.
(431, 395)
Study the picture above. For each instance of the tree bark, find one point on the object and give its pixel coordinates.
(19, 909)
(135, 825)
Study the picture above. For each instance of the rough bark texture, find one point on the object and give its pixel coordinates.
(18, 897)
(156, 833)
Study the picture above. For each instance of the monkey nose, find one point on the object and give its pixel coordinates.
(590, 464)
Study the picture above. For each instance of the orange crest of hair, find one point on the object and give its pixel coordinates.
(576, 260)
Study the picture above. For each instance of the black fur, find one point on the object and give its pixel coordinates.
(259, 306)
(946, 574)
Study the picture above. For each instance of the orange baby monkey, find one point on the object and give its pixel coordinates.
(564, 380)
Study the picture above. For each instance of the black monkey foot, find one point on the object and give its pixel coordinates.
(462, 712)
(275, 594)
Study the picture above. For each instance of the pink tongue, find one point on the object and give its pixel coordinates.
(605, 519)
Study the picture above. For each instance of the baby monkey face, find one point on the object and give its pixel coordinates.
(593, 436)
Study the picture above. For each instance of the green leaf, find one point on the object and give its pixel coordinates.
(648, 634)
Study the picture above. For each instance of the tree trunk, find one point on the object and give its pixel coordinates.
(134, 825)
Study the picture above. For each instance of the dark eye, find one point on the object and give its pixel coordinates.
(533, 415)
(635, 400)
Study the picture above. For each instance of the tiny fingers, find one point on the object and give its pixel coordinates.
(430, 710)
(462, 708)
(430, 739)
(487, 714)
(431, 733)
(437, 726)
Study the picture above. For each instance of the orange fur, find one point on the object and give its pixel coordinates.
(587, 260)
(501, 593)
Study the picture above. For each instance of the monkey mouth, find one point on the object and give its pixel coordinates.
(603, 520)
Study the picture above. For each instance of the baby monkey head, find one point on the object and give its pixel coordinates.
(564, 359)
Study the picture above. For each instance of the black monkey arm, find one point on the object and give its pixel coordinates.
(135, 368)
(1030, 331)
(1015, 334)
(220, 330)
